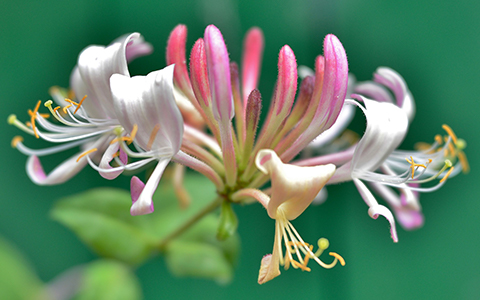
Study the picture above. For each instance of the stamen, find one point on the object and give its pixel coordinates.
(299, 265)
(80, 104)
(33, 116)
(56, 108)
(71, 101)
(153, 135)
(86, 153)
(16, 140)
(446, 175)
(134, 132)
(337, 256)
(66, 107)
(450, 133)
(463, 161)
(438, 139)
(452, 149)
(413, 165)
(12, 120)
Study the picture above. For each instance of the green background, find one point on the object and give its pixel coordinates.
(434, 46)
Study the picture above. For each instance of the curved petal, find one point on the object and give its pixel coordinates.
(95, 66)
(107, 157)
(148, 102)
(293, 187)
(60, 174)
(387, 125)
(376, 209)
(142, 194)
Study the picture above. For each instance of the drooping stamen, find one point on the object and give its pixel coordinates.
(86, 153)
(153, 135)
(337, 256)
(446, 175)
(16, 140)
(413, 165)
(450, 133)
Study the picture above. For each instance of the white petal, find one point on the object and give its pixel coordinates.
(386, 127)
(143, 205)
(148, 101)
(95, 66)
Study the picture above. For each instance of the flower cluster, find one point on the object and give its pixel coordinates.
(206, 116)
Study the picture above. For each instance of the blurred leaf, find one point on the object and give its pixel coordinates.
(17, 279)
(101, 219)
(194, 259)
(109, 280)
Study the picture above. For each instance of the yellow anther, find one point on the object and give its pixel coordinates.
(153, 135)
(79, 104)
(28, 124)
(452, 149)
(463, 161)
(116, 154)
(86, 153)
(438, 139)
(56, 108)
(339, 257)
(71, 101)
(11, 119)
(450, 133)
(307, 256)
(16, 140)
(413, 165)
(299, 265)
(33, 116)
(66, 107)
(134, 132)
(446, 175)
(422, 146)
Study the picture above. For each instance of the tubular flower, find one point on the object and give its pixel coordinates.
(145, 107)
(375, 160)
(293, 189)
(88, 121)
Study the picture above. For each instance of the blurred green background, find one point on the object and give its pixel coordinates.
(434, 46)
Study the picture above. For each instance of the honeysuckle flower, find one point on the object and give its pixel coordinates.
(88, 122)
(374, 158)
(146, 105)
(293, 189)
(387, 126)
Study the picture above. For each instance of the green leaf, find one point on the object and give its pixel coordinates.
(17, 279)
(109, 280)
(194, 259)
(101, 219)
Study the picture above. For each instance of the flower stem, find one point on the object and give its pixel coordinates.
(194, 219)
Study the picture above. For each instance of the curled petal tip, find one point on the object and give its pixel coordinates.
(376, 210)
(139, 207)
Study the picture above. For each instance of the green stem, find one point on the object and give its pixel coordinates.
(206, 210)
